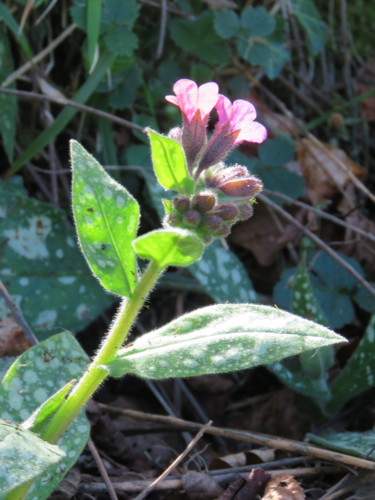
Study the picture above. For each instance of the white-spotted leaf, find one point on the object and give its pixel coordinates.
(30, 381)
(169, 247)
(218, 339)
(42, 267)
(106, 217)
(23, 456)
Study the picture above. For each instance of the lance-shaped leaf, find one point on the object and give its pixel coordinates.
(23, 456)
(169, 163)
(106, 217)
(170, 247)
(218, 339)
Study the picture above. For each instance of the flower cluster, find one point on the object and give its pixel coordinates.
(224, 194)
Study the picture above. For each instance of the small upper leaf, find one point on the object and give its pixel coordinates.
(169, 247)
(169, 163)
(106, 217)
(218, 339)
(23, 456)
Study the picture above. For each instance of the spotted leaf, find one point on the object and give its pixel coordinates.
(218, 339)
(31, 380)
(106, 217)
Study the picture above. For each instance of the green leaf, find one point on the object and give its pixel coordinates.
(169, 163)
(198, 37)
(218, 339)
(223, 276)
(169, 247)
(14, 27)
(364, 298)
(359, 444)
(8, 103)
(257, 21)
(277, 152)
(309, 17)
(106, 217)
(121, 41)
(33, 378)
(359, 373)
(42, 267)
(308, 376)
(123, 94)
(93, 15)
(261, 52)
(226, 23)
(40, 418)
(120, 12)
(66, 115)
(23, 456)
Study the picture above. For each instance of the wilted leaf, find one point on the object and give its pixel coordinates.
(13, 340)
(283, 487)
(323, 176)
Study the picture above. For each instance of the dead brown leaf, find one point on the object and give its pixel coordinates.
(249, 457)
(262, 235)
(323, 176)
(283, 487)
(246, 489)
(13, 340)
(200, 486)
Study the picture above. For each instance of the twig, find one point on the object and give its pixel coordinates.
(175, 484)
(67, 102)
(17, 315)
(39, 57)
(250, 437)
(103, 471)
(320, 244)
(174, 464)
(163, 27)
(321, 213)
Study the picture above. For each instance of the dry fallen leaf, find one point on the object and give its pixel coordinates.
(283, 487)
(200, 486)
(323, 176)
(13, 340)
(246, 489)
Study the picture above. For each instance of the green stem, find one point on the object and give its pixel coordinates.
(96, 372)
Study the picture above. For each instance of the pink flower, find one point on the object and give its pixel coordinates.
(236, 124)
(239, 117)
(190, 98)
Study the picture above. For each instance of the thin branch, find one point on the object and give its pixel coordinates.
(39, 57)
(174, 464)
(163, 28)
(249, 437)
(103, 471)
(320, 244)
(67, 102)
(321, 213)
(17, 314)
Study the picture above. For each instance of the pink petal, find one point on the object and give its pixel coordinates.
(171, 98)
(252, 132)
(224, 109)
(187, 97)
(207, 97)
(242, 112)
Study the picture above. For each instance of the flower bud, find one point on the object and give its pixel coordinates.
(172, 220)
(246, 211)
(227, 211)
(191, 218)
(225, 174)
(223, 232)
(241, 188)
(213, 222)
(204, 201)
(181, 203)
(207, 239)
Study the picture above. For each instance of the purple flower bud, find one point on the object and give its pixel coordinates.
(204, 200)
(172, 220)
(242, 187)
(213, 222)
(246, 211)
(181, 203)
(223, 232)
(227, 211)
(191, 218)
